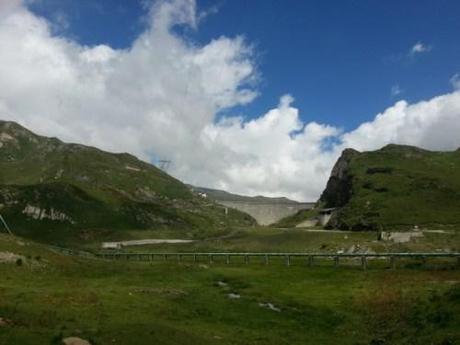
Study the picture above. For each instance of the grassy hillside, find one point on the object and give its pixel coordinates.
(47, 296)
(47, 186)
(395, 187)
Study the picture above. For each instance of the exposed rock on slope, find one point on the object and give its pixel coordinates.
(339, 186)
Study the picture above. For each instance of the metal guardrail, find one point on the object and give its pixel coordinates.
(287, 256)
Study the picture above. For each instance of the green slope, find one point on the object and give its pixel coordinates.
(47, 185)
(395, 187)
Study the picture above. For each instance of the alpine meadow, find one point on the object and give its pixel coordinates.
(151, 193)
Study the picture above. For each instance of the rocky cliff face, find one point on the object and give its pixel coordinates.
(339, 186)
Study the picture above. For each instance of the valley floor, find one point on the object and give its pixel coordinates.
(47, 296)
(265, 239)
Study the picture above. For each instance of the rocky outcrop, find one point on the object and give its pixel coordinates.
(38, 213)
(339, 187)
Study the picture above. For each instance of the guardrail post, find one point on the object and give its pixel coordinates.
(211, 260)
(165, 257)
(288, 260)
(227, 259)
(266, 259)
(393, 262)
(246, 259)
(179, 258)
(423, 258)
(364, 262)
(310, 260)
(336, 261)
(194, 257)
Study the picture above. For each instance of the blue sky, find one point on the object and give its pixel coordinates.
(338, 59)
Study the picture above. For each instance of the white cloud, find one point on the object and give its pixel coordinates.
(60, 22)
(455, 81)
(160, 97)
(396, 90)
(419, 47)
(154, 97)
(431, 124)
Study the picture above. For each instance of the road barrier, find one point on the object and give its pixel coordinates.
(288, 257)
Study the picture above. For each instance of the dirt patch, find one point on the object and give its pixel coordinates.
(400, 237)
(127, 167)
(111, 245)
(8, 257)
(5, 322)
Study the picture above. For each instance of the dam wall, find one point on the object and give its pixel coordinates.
(267, 213)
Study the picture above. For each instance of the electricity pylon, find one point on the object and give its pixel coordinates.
(164, 164)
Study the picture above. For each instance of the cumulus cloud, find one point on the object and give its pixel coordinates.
(428, 124)
(160, 98)
(151, 99)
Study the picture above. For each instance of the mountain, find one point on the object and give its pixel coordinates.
(394, 187)
(221, 195)
(48, 188)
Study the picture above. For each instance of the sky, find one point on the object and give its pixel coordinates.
(255, 97)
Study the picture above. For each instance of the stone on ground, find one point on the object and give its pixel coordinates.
(75, 341)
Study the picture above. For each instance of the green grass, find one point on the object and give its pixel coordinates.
(264, 239)
(169, 303)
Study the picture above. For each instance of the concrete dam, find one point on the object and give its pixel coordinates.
(267, 213)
